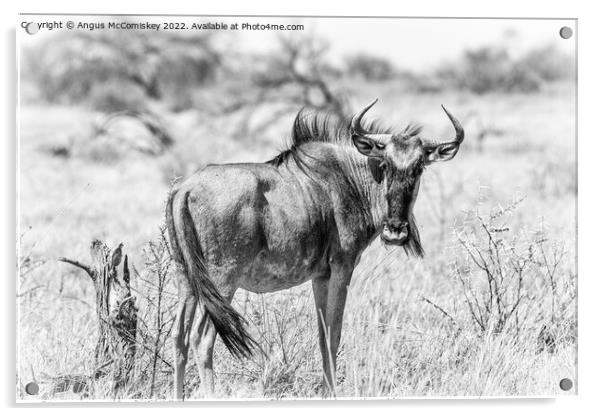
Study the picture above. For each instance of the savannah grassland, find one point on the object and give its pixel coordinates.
(436, 326)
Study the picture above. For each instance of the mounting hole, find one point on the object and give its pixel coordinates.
(32, 388)
(32, 28)
(566, 32)
(566, 384)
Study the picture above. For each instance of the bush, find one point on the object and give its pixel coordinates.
(72, 67)
(514, 285)
(370, 67)
(492, 68)
(115, 96)
(548, 63)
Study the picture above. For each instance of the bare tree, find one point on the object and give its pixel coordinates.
(295, 75)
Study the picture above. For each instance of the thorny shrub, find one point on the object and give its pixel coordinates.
(513, 281)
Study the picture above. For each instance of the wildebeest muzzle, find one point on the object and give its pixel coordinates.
(395, 232)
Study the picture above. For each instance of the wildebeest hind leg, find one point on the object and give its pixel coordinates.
(186, 307)
(203, 342)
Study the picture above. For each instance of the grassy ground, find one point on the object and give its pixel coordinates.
(408, 327)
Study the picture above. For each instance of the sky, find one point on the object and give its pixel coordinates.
(414, 44)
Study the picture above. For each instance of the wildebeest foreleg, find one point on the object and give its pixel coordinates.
(186, 307)
(337, 295)
(320, 288)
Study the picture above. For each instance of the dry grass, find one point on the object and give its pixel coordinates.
(408, 327)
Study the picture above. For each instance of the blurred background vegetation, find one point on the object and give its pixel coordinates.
(111, 71)
(137, 84)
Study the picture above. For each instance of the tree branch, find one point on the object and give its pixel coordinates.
(82, 266)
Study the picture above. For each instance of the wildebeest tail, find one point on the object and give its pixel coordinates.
(229, 324)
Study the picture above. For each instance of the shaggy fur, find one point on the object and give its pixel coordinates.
(310, 127)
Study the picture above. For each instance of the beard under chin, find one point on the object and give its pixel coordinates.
(413, 246)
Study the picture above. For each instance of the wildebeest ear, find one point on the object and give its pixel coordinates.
(442, 152)
(368, 147)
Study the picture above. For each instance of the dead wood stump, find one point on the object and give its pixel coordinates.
(116, 312)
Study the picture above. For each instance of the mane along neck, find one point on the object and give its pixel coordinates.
(368, 192)
(345, 172)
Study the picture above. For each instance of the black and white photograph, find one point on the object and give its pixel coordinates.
(272, 208)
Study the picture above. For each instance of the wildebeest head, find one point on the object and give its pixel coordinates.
(402, 158)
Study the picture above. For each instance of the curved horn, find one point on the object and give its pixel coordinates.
(356, 121)
(457, 127)
(356, 124)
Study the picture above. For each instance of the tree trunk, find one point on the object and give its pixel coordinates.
(116, 312)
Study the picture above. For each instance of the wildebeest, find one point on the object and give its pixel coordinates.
(307, 214)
